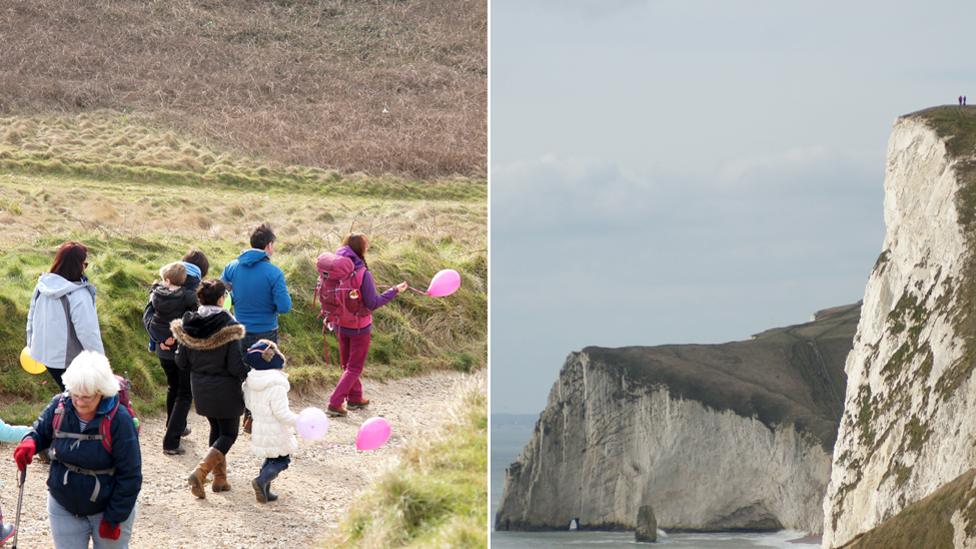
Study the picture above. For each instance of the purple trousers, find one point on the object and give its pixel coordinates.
(352, 358)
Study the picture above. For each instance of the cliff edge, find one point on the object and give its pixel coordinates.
(907, 428)
(736, 436)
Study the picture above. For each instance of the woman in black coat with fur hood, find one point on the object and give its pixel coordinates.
(210, 347)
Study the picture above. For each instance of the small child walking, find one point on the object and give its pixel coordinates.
(266, 395)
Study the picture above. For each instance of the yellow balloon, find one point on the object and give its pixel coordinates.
(30, 365)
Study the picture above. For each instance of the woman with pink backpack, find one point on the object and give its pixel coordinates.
(348, 296)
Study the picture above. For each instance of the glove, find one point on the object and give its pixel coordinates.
(24, 453)
(108, 530)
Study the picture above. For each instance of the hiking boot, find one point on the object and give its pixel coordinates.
(262, 491)
(6, 532)
(220, 475)
(336, 412)
(198, 478)
(186, 432)
(247, 424)
(178, 451)
(357, 404)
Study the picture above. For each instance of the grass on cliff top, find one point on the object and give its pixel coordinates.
(115, 146)
(437, 496)
(925, 523)
(134, 228)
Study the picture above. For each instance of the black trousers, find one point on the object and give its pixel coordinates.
(56, 375)
(223, 432)
(178, 401)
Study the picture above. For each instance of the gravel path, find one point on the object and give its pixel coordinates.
(314, 492)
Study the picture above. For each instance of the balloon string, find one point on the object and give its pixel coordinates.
(421, 292)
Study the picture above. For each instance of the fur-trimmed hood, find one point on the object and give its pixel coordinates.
(204, 333)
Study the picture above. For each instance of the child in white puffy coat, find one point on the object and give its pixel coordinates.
(266, 395)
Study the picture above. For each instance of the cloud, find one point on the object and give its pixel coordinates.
(597, 253)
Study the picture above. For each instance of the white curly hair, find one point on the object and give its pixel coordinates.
(90, 373)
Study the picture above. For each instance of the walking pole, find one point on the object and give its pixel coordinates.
(20, 501)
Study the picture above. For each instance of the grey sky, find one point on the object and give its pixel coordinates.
(692, 171)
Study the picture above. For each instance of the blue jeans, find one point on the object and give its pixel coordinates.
(272, 467)
(70, 531)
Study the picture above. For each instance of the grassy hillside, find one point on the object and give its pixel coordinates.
(928, 522)
(387, 86)
(437, 496)
(133, 226)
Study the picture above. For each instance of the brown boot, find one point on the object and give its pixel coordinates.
(220, 475)
(198, 477)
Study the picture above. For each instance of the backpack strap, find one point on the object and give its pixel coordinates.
(104, 435)
(105, 427)
(58, 415)
(90, 472)
(73, 346)
(325, 341)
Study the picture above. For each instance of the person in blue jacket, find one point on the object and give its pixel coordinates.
(91, 491)
(259, 293)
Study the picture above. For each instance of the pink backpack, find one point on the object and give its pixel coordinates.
(338, 295)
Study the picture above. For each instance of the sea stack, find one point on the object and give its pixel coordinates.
(646, 530)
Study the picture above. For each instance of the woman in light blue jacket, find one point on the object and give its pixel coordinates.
(62, 321)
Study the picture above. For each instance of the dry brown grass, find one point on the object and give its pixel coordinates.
(294, 82)
(38, 205)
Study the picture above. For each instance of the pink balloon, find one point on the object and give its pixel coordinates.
(373, 434)
(312, 424)
(444, 283)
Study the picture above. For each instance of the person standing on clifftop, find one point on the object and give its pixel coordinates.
(259, 292)
(960, 100)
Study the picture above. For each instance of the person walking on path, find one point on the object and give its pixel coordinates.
(209, 346)
(62, 320)
(197, 265)
(259, 291)
(266, 395)
(354, 331)
(170, 300)
(96, 467)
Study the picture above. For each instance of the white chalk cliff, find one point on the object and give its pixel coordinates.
(909, 422)
(713, 437)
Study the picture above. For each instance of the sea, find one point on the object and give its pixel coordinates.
(510, 433)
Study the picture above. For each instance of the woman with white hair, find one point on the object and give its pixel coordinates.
(96, 468)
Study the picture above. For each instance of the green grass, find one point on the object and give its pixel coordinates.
(413, 334)
(437, 496)
(925, 523)
(133, 225)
